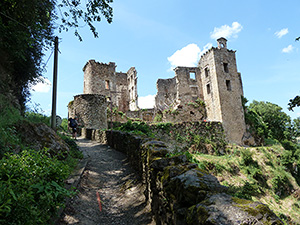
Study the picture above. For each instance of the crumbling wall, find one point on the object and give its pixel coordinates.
(186, 84)
(91, 110)
(166, 93)
(99, 78)
(120, 88)
(132, 89)
(122, 97)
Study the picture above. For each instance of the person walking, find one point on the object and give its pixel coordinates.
(73, 123)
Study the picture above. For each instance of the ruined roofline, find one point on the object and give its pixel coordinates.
(163, 80)
(213, 49)
(93, 62)
(185, 67)
(131, 69)
(89, 95)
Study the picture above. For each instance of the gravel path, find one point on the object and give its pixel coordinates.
(108, 173)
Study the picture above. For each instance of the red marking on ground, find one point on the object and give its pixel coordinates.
(99, 201)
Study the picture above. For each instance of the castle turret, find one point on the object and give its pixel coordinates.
(222, 88)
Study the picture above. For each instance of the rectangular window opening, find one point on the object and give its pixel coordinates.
(206, 70)
(107, 87)
(193, 75)
(228, 85)
(208, 88)
(226, 67)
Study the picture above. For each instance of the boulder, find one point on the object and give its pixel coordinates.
(39, 136)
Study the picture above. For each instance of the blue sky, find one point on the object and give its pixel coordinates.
(155, 36)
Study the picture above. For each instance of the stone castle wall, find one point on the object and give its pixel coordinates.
(186, 85)
(166, 93)
(90, 110)
(223, 91)
(217, 82)
(120, 88)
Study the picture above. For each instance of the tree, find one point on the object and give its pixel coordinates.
(27, 29)
(278, 123)
(295, 102)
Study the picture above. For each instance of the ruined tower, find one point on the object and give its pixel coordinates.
(222, 90)
(119, 88)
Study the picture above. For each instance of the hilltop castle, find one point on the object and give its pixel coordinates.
(215, 81)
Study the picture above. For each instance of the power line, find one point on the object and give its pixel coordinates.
(48, 58)
(14, 20)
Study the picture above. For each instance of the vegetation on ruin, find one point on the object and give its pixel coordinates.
(267, 174)
(31, 181)
(135, 127)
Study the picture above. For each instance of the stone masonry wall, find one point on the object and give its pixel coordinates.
(91, 111)
(120, 88)
(132, 89)
(223, 90)
(178, 191)
(166, 93)
(187, 88)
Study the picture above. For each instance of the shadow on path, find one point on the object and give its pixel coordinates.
(108, 173)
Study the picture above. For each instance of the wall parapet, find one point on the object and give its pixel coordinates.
(178, 191)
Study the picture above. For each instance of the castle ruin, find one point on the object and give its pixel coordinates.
(119, 88)
(215, 81)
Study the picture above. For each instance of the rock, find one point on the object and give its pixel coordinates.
(193, 185)
(40, 136)
(227, 210)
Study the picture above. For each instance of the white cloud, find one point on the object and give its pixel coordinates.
(282, 32)
(43, 85)
(146, 102)
(187, 56)
(226, 31)
(288, 49)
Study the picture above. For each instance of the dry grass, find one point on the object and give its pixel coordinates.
(231, 172)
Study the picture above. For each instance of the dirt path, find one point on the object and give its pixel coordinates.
(108, 173)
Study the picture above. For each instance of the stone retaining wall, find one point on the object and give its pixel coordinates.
(178, 191)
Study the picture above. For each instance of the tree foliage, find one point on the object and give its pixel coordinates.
(295, 102)
(268, 121)
(27, 29)
(277, 123)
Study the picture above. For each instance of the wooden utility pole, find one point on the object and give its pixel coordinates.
(54, 90)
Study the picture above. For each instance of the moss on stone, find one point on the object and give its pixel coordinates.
(165, 176)
(240, 201)
(197, 214)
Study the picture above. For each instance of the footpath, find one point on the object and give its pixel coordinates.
(109, 192)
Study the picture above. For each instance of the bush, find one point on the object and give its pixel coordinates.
(135, 127)
(31, 187)
(74, 149)
(281, 184)
(247, 158)
(288, 145)
(37, 118)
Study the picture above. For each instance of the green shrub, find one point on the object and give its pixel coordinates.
(74, 149)
(288, 145)
(248, 190)
(281, 184)
(287, 159)
(158, 117)
(164, 126)
(136, 127)
(247, 158)
(37, 118)
(31, 187)
(64, 124)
